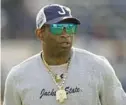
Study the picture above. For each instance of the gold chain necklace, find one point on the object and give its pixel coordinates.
(61, 94)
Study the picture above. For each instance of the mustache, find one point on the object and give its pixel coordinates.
(68, 40)
(65, 39)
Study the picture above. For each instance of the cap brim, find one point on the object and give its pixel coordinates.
(64, 20)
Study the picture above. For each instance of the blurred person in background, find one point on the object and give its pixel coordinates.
(109, 27)
(119, 24)
(61, 73)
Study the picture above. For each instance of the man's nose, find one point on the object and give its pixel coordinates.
(64, 33)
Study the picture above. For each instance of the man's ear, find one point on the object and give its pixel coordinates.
(39, 33)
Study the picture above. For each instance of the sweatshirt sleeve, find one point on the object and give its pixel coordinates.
(111, 92)
(11, 96)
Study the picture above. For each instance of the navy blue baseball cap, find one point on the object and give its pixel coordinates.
(54, 13)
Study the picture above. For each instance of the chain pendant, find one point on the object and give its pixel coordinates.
(61, 95)
(58, 78)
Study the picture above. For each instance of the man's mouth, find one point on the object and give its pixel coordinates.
(65, 41)
(65, 44)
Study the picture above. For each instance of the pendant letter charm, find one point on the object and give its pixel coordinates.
(61, 95)
(58, 78)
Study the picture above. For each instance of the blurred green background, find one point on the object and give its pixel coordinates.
(102, 31)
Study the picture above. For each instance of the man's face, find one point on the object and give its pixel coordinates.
(59, 43)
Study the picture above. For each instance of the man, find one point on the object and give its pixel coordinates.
(61, 74)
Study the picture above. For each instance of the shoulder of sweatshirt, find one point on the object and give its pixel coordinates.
(98, 62)
(24, 67)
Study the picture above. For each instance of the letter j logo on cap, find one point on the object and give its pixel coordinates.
(62, 12)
